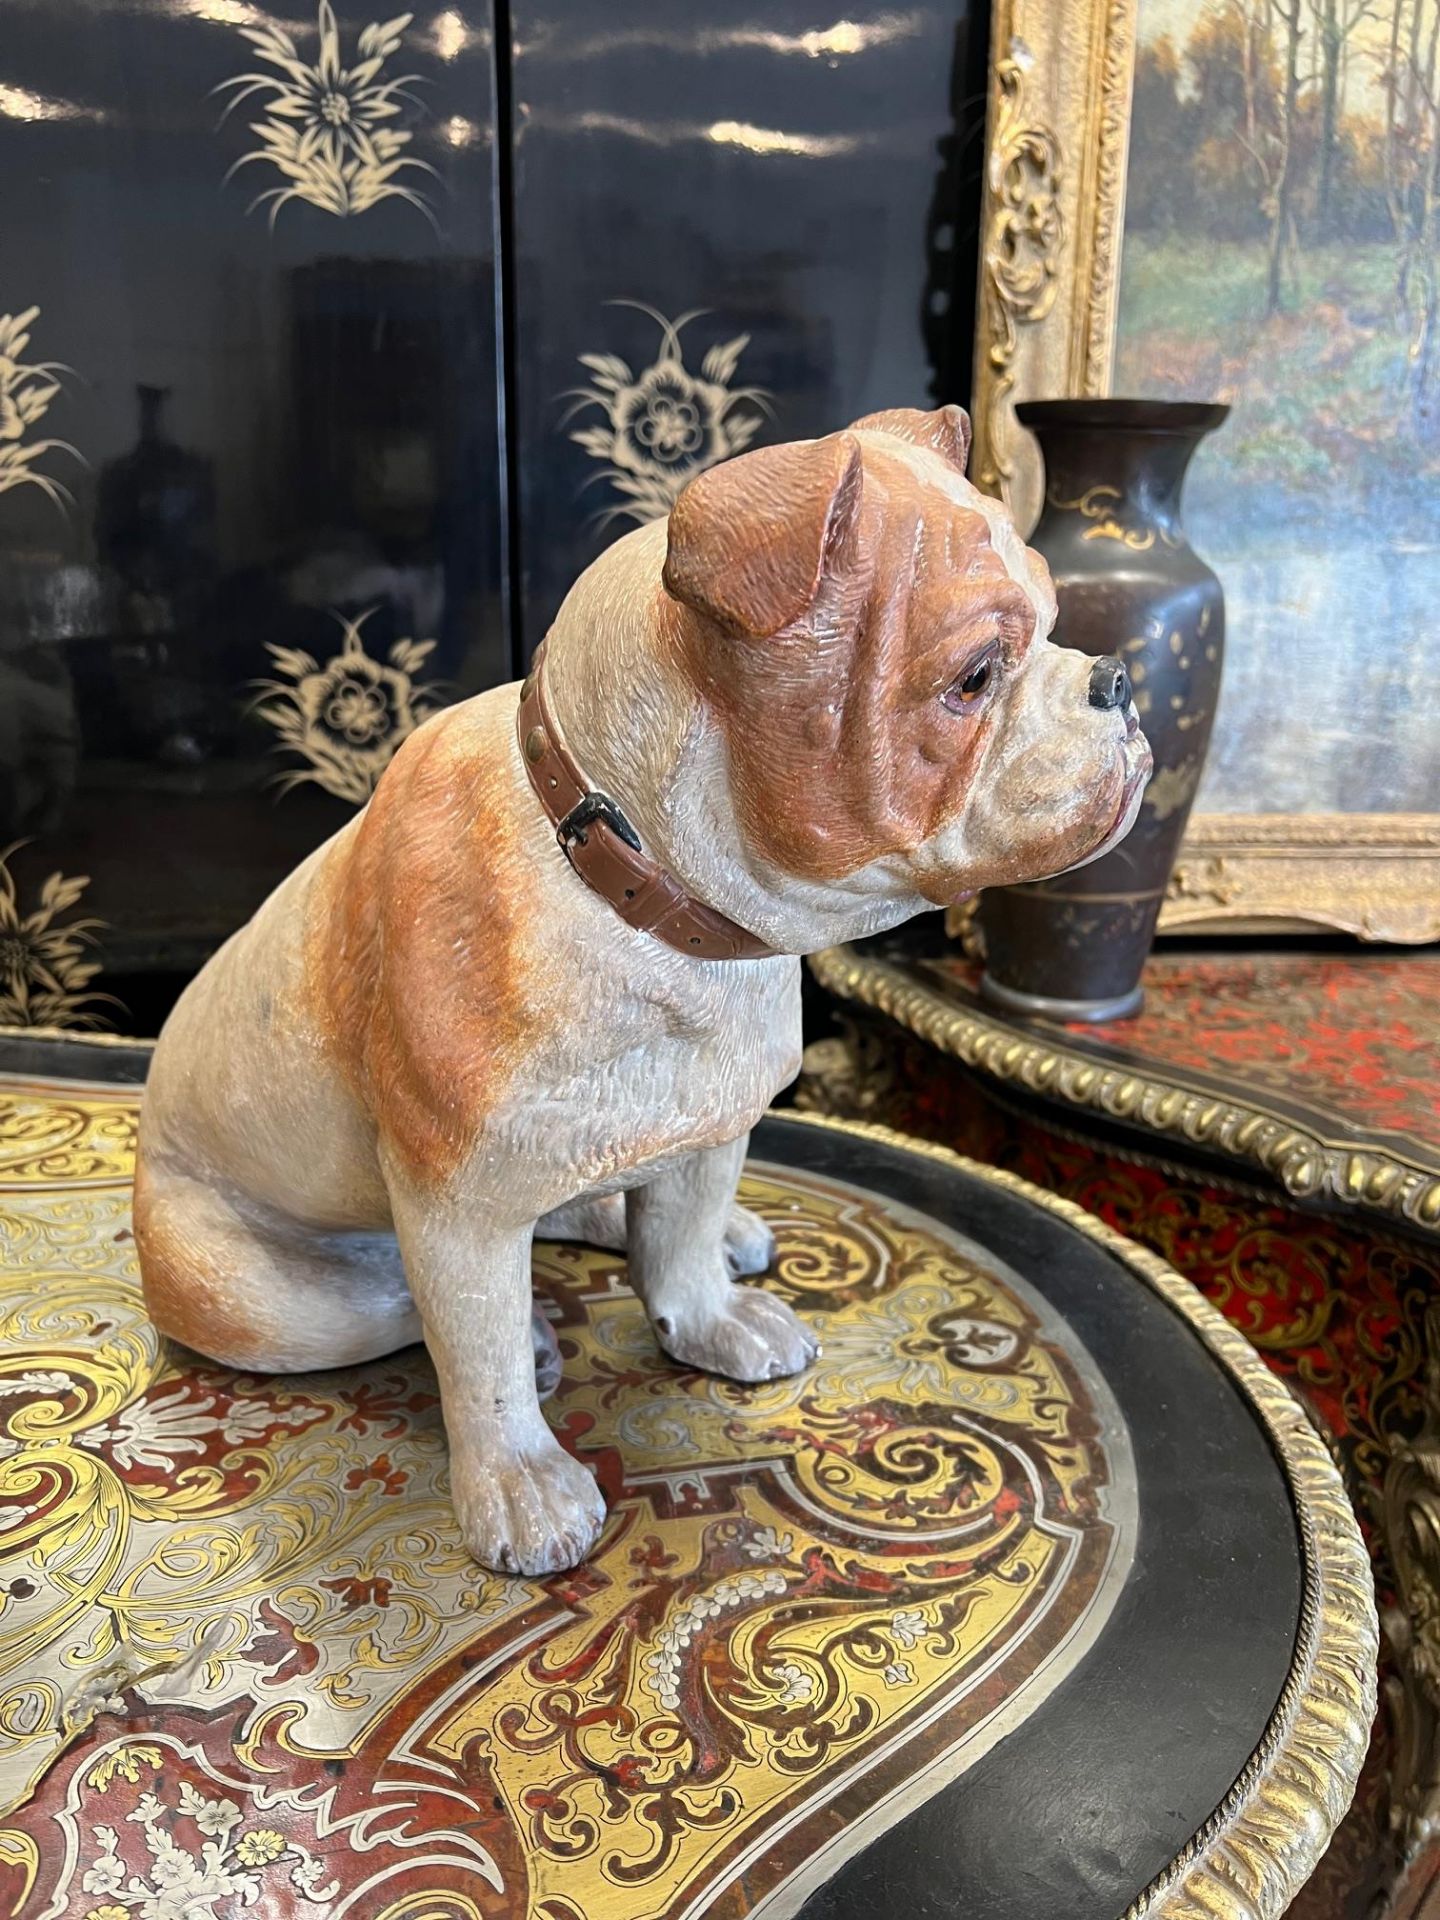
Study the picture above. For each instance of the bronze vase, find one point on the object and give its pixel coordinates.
(1128, 583)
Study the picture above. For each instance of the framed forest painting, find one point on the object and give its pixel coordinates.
(1240, 200)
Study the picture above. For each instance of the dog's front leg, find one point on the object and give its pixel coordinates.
(701, 1316)
(524, 1505)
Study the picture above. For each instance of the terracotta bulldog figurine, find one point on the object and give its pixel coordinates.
(548, 979)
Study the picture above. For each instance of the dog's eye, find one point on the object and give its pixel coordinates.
(972, 685)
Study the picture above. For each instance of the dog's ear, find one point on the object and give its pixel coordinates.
(946, 431)
(750, 539)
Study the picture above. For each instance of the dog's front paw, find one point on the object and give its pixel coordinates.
(536, 1511)
(749, 1243)
(747, 1335)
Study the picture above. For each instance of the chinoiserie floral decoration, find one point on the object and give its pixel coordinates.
(46, 961)
(326, 128)
(26, 390)
(347, 716)
(665, 424)
(1172, 787)
(200, 1852)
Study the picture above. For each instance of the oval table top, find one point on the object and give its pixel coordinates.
(1037, 1594)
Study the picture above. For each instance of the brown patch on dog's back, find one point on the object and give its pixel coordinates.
(411, 946)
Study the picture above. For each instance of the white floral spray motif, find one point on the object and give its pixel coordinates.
(26, 390)
(324, 125)
(187, 1877)
(348, 716)
(153, 1433)
(662, 1667)
(666, 424)
(792, 1685)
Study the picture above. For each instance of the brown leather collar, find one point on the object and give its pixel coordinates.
(604, 849)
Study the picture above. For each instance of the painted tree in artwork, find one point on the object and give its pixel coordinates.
(1412, 184)
(1335, 26)
(1306, 133)
(1282, 254)
(1281, 208)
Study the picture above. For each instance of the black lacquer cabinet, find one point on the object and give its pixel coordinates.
(335, 343)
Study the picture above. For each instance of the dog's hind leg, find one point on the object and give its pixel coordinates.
(261, 1296)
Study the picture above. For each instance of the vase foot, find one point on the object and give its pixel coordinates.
(1044, 1006)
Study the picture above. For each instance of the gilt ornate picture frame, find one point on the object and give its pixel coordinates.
(1063, 120)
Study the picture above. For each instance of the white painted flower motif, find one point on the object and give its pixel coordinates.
(309, 1876)
(213, 1883)
(214, 1818)
(347, 717)
(105, 1874)
(662, 1665)
(325, 126)
(793, 1685)
(766, 1544)
(152, 1432)
(182, 1885)
(35, 1380)
(899, 1673)
(907, 1626)
(665, 424)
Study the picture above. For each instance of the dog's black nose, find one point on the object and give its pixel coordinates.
(1109, 683)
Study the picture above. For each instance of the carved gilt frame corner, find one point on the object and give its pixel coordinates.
(1052, 223)
(1052, 214)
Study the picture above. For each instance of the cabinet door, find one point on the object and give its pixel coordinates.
(733, 224)
(250, 469)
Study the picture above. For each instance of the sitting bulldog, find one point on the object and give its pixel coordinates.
(554, 961)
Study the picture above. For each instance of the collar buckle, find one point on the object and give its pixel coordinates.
(594, 806)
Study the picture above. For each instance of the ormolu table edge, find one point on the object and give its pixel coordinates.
(1266, 1837)
(1301, 1159)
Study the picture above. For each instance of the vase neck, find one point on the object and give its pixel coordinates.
(1131, 476)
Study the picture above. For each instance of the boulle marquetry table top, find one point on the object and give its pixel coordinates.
(1038, 1594)
(1320, 1070)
